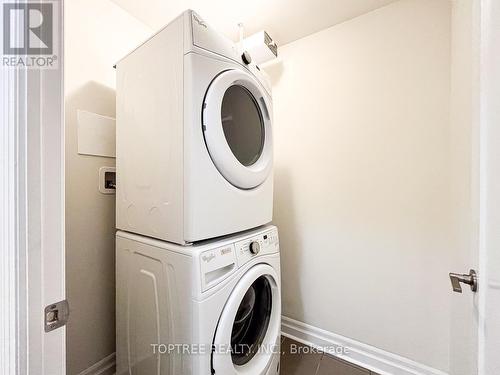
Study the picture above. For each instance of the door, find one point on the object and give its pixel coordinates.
(237, 128)
(489, 218)
(32, 196)
(248, 331)
(475, 330)
(464, 141)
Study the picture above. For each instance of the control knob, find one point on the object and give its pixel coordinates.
(247, 59)
(254, 247)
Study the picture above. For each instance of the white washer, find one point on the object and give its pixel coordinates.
(213, 308)
(194, 137)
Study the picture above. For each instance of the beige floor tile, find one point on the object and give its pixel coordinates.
(298, 359)
(332, 366)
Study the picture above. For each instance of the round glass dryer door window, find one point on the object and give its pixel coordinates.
(242, 124)
(237, 128)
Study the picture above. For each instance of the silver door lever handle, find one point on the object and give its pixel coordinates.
(469, 279)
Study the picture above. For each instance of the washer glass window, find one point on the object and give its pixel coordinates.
(242, 124)
(251, 321)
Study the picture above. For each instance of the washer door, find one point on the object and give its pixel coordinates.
(237, 128)
(248, 330)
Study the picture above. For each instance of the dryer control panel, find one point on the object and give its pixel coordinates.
(207, 38)
(261, 244)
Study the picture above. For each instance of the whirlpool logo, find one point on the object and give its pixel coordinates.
(29, 37)
(208, 258)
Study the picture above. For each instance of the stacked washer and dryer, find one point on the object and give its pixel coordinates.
(197, 266)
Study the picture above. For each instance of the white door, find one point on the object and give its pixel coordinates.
(32, 200)
(249, 327)
(237, 128)
(475, 330)
(489, 292)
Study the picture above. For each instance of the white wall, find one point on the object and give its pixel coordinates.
(363, 170)
(464, 132)
(97, 34)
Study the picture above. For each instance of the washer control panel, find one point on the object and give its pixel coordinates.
(261, 244)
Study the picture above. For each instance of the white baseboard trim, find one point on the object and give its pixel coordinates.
(369, 357)
(100, 367)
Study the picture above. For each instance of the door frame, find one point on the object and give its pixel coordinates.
(32, 258)
(489, 189)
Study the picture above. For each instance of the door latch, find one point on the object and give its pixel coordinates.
(56, 315)
(469, 279)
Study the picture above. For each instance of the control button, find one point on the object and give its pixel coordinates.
(254, 247)
(247, 59)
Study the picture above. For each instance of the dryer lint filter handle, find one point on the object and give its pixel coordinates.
(216, 265)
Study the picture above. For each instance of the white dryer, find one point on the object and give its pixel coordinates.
(213, 308)
(194, 136)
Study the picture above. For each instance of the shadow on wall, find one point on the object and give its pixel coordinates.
(290, 242)
(274, 70)
(284, 217)
(90, 242)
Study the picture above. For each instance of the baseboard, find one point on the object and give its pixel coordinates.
(369, 357)
(99, 368)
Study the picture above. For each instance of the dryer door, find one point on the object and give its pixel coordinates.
(247, 335)
(237, 128)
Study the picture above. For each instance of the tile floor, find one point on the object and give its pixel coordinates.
(312, 362)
